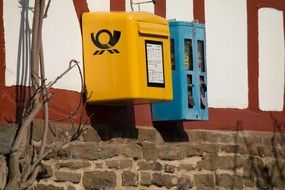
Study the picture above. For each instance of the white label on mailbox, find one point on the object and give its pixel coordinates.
(154, 58)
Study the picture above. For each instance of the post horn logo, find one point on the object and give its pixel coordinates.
(114, 38)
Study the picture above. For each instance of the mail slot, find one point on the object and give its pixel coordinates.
(188, 57)
(126, 57)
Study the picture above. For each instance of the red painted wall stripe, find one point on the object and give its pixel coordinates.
(276, 4)
(253, 63)
(117, 5)
(80, 7)
(143, 115)
(253, 71)
(160, 8)
(199, 10)
(284, 43)
(236, 120)
(2, 48)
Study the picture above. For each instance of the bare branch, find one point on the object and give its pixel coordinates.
(45, 103)
(24, 127)
(62, 74)
(37, 162)
(23, 179)
(47, 8)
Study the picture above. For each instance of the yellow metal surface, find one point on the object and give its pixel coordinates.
(118, 63)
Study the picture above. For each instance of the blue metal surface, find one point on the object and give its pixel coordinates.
(182, 107)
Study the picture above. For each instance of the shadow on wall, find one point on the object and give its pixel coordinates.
(260, 171)
(23, 59)
(119, 122)
(113, 121)
(171, 131)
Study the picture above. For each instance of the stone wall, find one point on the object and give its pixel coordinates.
(164, 158)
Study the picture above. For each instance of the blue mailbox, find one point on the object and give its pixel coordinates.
(189, 77)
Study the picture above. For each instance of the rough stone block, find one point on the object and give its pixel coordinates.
(91, 135)
(92, 151)
(149, 165)
(184, 183)
(203, 181)
(277, 173)
(229, 181)
(157, 166)
(146, 135)
(228, 138)
(169, 168)
(119, 164)
(262, 183)
(209, 148)
(201, 136)
(248, 181)
(145, 165)
(67, 176)
(277, 139)
(46, 171)
(61, 153)
(132, 150)
(145, 178)
(99, 180)
(268, 151)
(209, 162)
(37, 132)
(3, 172)
(73, 165)
(249, 138)
(7, 134)
(253, 166)
(56, 132)
(256, 150)
(171, 151)
(71, 188)
(99, 165)
(129, 178)
(167, 180)
(235, 149)
(193, 150)
(230, 162)
(187, 167)
(47, 187)
(149, 151)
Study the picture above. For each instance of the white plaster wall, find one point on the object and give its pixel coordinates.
(148, 7)
(98, 5)
(226, 33)
(61, 40)
(17, 57)
(271, 59)
(181, 10)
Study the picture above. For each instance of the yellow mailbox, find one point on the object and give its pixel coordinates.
(126, 57)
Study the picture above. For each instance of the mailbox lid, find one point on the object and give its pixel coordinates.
(131, 16)
(184, 23)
